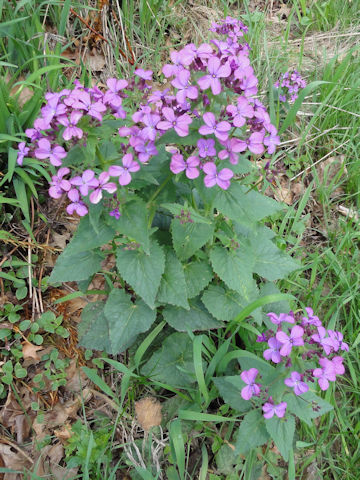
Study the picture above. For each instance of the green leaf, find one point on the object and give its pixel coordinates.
(125, 320)
(252, 432)
(197, 318)
(115, 325)
(133, 223)
(173, 287)
(141, 271)
(224, 304)
(92, 329)
(189, 237)
(230, 390)
(87, 237)
(173, 363)
(235, 269)
(270, 288)
(75, 267)
(178, 209)
(307, 406)
(198, 275)
(244, 206)
(282, 431)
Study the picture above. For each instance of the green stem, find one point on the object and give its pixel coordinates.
(161, 187)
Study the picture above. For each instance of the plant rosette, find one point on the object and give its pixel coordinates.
(169, 186)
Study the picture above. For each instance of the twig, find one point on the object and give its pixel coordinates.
(13, 445)
(29, 269)
(132, 59)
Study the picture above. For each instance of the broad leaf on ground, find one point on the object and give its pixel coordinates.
(141, 271)
(173, 287)
(92, 330)
(281, 430)
(189, 237)
(307, 406)
(198, 275)
(87, 237)
(75, 267)
(197, 318)
(252, 432)
(173, 363)
(230, 390)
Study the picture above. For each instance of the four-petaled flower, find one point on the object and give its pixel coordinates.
(270, 409)
(273, 353)
(179, 124)
(295, 382)
(252, 388)
(213, 177)
(123, 172)
(206, 147)
(216, 71)
(283, 317)
(219, 129)
(104, 184)
(295, 339)
(54, 154)
(71, 129)
(76, 204)
(325, 374)
(178, 164)
(86, 181)
(22, 152)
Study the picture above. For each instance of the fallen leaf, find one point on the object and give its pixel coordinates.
(76, 378)
(14, 460)
(30, 350)
(64, 432)
(148, 412)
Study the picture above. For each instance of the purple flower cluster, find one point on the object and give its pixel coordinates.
(197, 78)
(315, 343)
(290, 84)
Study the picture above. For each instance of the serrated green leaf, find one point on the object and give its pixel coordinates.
(87, 238)
(173, 287)
(252, 432)
(224, 304)
(244, 206)
(173, 363)
(198, 275)
(307, 406)
(75, 267)
(126, 320)
(230, 390)
(178, 209)
(133, 223)
(281, 430)
(189, 237)
(235, 269)
(92, 330)
(113, 326)
(197, 318)
(141, 271)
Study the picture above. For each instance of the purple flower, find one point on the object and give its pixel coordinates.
(337, 341)
(312, 319)
(295, 339)
(71, 130)
(254, 143)
(145, 150)
(283, 317)
(216, 71)
(232, 147)
(111, 96)
(129, 165)
(179, 124)
(249, 85)
(242, 111)
(325, 374)
(86, 181)
(58, 185)
(273, 353)
(115, 213)
(179, 60)
(93, 109)
(185, 89)
(55, 154)
(326, 342)
(178, 164)
(206, 147)
(53, 108)
(220, 130)
(77, 205)
(295, 382)
(339, 368)
(252, 388)
(270, 409)
(104, 184)
(22, 152)
(212, 177)
(150, 120)
(144, 74)
(272, 140)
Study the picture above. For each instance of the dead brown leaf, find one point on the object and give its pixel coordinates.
(64, 432)
(17, 419)
(13, 459)
(30, 350)
(76, 378)
(148, 412)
